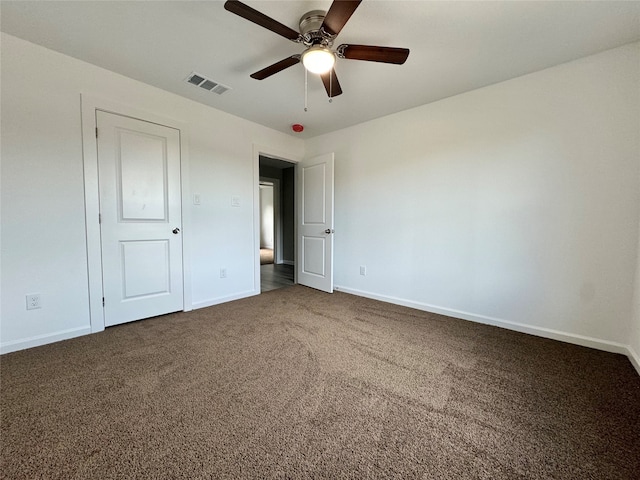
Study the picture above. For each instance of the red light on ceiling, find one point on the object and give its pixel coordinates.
(296, 127)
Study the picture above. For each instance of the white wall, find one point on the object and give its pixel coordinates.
(42, 198)
(266, 216)
(515, 204)
(288, 216)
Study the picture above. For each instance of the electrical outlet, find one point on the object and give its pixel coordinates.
(363, 270)
(33, 301)
(196, 199)
(235, 201)
(223, 273)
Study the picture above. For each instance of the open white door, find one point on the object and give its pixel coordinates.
(315, 223)
(140, 210)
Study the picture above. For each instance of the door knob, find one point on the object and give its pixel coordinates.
(176, 231)
(329, 230)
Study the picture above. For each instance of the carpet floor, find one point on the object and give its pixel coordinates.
(298, 384)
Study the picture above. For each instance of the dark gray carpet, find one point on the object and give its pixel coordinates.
(296, 383)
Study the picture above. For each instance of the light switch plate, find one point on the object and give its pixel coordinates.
(235, 201)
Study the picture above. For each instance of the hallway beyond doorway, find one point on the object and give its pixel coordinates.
(274, 276)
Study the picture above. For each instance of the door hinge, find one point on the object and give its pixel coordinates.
(103, 301)
(99, 218)
(96, 132)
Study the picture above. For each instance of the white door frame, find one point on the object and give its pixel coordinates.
(89, 105)
(271, 153)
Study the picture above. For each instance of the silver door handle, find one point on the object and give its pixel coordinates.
(176, 231)
(329, 230)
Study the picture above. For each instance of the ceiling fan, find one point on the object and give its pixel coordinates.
(318, 30)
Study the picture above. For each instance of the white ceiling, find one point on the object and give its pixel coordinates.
(455, 47)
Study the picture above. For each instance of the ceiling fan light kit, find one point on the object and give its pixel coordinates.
(318, 32)
(318, 59)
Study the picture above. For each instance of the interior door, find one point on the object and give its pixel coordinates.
(315, 223)
(140, 218)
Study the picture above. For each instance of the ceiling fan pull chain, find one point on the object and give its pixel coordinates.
(305, 90)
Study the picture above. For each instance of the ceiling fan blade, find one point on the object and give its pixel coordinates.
(331, 84)
(276, 67)
(372, 53)
(248, 13)
(339, 12)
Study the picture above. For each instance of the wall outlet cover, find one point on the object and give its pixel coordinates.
(33, 301)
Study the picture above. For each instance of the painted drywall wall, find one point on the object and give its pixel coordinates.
(43, 226)
(266, 216)
(516, 204)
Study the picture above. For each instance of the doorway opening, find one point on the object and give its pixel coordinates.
(277, 223)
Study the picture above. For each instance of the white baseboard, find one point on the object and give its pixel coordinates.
(576, 339)
(582, 340)
(39, 340)
(216, 301)
(634, 358)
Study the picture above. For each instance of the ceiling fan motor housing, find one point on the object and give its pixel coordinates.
(310, 28)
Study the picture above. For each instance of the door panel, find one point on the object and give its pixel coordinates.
(315, 223)
(140, 206)
(145, 268)
(314, 185)
(142, 177)
(313, 254)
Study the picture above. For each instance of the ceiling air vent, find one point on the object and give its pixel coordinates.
(206, 84)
